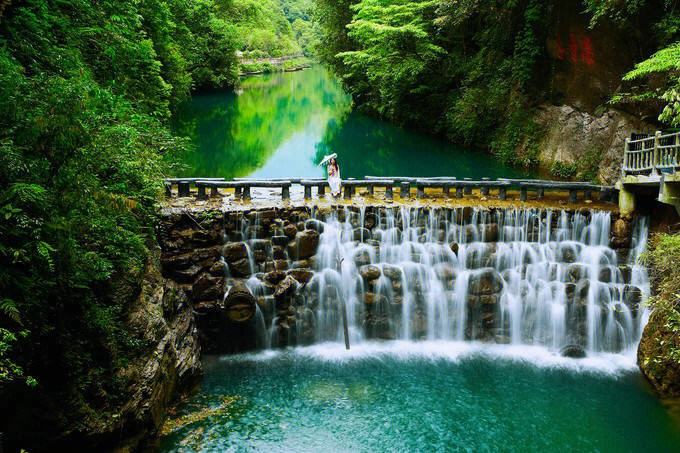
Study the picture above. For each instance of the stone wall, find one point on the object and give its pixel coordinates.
(275, 252)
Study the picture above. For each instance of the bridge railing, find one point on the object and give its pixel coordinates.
(500, 187)
(651, 156)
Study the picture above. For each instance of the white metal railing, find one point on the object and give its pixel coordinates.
(651, 156)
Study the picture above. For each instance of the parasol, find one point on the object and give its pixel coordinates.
(328, 158)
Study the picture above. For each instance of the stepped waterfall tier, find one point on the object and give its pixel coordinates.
(566, 280)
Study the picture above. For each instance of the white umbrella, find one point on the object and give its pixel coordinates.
(328, 158)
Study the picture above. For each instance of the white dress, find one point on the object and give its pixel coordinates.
(334, 180)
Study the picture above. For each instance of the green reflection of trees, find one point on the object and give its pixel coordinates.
(368, 146)
(236, 133)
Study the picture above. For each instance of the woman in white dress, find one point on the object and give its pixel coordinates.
(334, 177)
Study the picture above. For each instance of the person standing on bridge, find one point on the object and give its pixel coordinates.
(333, 168)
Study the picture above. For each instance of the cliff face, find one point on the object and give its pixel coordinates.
(584, 68)
(586, 140)
(162, 317)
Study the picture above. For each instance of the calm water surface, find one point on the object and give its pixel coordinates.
(281, 125)
(306, 401)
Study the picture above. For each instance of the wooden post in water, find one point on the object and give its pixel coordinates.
(345, 327)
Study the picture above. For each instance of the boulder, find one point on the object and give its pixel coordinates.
(302, 275)
(240, 268)
(235, 251)
(621, 234)
(274, 277)
(208, 288)
(454, 247)
(281, 241)
(361, 234)
(573, 351)
(370, 272)
(239, 304)
(285, 289)
(290, 230)
(304, 246)
(485, 282)
(316, 225)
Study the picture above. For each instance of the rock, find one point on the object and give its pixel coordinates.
(392, 272)
(370, 220)
(315, 225)
(370, 272)
(657, 354)
(281, 265)
(235, 251)
(304, 245)
(362, 258)
(573, 133)
(285, 289)
(489, 232)
(240, 268)
(361, 234)
(301, 264)
(281, 241)
(239, 304)
(454, 247)
(290, 230)
(573, 351)
(632, 296)
(274, 277)
(444, 271)
(621, 234)
(485, 282)
(208, 288)
(218, 269)
(278, 252)
(302, 275)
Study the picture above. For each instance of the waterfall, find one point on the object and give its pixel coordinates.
(509, 276)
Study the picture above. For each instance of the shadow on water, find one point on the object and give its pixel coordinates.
(281, 125)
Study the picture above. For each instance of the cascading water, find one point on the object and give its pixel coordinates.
(515, 276)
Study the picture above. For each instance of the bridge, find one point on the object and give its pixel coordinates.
(651, 166)
(251, 192)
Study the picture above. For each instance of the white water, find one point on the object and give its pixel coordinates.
(538, 278)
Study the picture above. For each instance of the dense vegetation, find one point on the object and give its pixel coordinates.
(472, 70)
(660, 349)
(86, 91)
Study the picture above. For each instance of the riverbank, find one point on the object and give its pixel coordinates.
(258, 66)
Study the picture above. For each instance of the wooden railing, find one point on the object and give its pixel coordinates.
(242, 187)
(652, 156)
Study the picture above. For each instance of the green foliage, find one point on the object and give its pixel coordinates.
(462, 68)
(662, 259)
(563, 170)
(86, 90)
(618, 11)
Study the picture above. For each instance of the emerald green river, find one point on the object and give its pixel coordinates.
(423, 397)
(281, 125)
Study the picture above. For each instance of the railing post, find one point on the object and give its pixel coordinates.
(573, 195)
(322, 190)
(484, 191)
(245, 194)
(523, 194)
(308, 192)
(348, 192)
(468, 189)
(201, 193)
(371, 189)
(502, 193)
(655, 156)
(540, 193)
(420, 192)
(459, 192)
(285, 192)
(626, 158)
(183, 189)
(168, 189)
(214, 192)
(388, 192)
(404, 190)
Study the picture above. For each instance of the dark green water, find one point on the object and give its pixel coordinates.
(424, 398)
(281, 125)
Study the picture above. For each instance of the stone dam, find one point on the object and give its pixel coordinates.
(274, 277)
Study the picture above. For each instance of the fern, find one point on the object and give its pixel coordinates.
(9, 308)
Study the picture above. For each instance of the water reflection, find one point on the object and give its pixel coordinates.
(281, 125)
